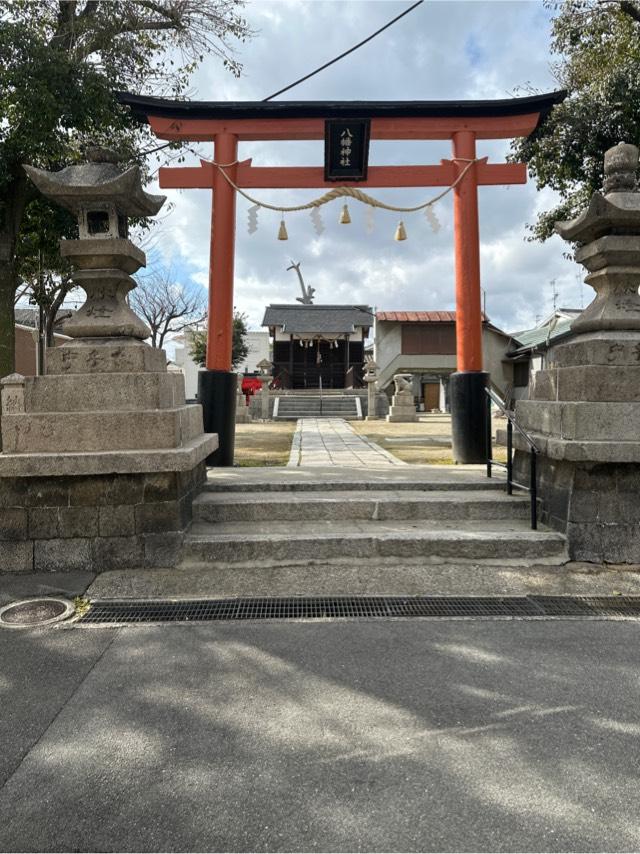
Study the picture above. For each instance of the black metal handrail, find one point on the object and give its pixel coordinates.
(532, 489)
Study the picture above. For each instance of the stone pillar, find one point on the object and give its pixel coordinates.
(264, 398)
(403, 407)
(584, 410)
(265, 367)
(243, 416)
(371, 379)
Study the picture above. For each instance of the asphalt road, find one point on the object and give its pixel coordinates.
(359, 736)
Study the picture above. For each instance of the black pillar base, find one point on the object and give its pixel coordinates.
(469, 407)
(217, 392)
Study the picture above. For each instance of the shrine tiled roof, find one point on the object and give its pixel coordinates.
(320, 319)
(419, 316)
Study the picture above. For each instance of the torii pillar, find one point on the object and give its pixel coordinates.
(467, 396)
(218, 383)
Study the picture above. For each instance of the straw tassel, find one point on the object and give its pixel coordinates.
(282, 231)
(345, 218)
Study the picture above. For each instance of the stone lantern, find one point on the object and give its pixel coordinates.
(103, 197)
(584, 409)
(265, 367)
(103, 451)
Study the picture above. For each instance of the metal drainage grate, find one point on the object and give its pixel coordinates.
(357, 607)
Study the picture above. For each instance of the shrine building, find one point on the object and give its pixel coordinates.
(318, 345)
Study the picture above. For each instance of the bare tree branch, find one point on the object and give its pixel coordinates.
(167, 306)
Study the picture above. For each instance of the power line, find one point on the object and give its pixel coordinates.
(346, 52)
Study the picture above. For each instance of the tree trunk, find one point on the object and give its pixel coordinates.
(7, 322)
(8, 284)
(15, 199)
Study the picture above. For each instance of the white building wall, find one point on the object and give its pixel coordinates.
(189, 368)
(258, 343)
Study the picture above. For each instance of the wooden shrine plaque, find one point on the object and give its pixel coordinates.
(346, 149)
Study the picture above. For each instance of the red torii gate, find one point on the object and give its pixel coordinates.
(463, 122)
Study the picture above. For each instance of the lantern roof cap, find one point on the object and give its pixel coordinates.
(102, 179)
(617, 211)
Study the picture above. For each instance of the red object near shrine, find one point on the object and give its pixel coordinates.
(250, 385)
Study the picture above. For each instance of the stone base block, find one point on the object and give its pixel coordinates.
(596, 505)
(95, 522)
(597, 383)
(402, 409)
(581, 421)
(51, 432)
(105, 356)
(599, 348)
(408, 418)
(117, 392)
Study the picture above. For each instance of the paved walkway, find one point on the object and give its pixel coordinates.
(333, 442)
(409, 735)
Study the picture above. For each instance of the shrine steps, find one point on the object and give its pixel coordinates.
(310, 521)
(292, 407)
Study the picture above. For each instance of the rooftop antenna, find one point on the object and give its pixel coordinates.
(554, 291)
(307, 292)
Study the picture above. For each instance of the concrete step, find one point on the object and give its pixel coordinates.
(344, 416)
(326, 407)
(328, 414)
(346, 505)
(269, 544)
(299, 406)
(311, 412)
(332, 479)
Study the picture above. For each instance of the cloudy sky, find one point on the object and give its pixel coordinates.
(453, 49)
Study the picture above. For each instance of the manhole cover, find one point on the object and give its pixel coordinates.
(34, 612)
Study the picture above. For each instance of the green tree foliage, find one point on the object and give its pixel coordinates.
(597, 45)
(239, 348)
(60, 66)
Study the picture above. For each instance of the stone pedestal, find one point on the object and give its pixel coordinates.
(101, 459)
(584, 409)
(403, 406)
(584, 417)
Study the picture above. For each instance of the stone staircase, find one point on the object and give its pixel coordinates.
(319, 517)
(292, 407)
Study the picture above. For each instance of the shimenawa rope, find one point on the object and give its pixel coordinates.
(341, 192)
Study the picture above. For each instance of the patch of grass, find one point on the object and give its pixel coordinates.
(419, 452)
(81, 605)
(264, 444)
